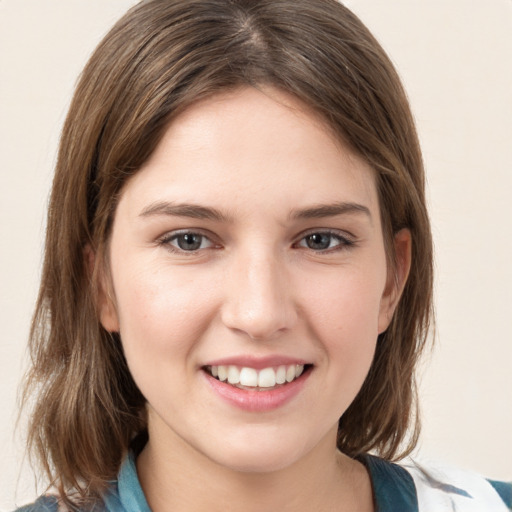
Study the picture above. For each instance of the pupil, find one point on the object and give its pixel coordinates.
(189, 242)
(319, 241)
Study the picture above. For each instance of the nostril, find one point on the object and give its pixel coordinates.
(259, 327)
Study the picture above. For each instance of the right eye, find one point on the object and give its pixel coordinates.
(187, 241)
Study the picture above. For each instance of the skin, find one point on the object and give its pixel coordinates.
(254, 287)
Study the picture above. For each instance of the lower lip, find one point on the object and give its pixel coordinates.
(257, 401)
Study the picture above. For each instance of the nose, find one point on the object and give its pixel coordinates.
(259, 298)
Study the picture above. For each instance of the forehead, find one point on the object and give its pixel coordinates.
(250, 148)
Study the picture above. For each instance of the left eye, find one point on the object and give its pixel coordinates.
(323, 241)
(188, 241)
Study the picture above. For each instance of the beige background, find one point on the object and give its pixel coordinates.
(455, 57)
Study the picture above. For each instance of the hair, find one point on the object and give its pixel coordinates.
(161, 57)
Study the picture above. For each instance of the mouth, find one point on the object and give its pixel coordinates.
(251, 379)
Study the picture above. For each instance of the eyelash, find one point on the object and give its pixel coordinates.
(344, 242)
(168, 238)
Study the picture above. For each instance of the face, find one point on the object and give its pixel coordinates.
(249, 280)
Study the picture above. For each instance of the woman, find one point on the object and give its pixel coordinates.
(238, 255)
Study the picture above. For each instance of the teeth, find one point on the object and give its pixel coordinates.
(290, 373)
(222, 373)
(281, 375)
(249, 377)
(267, 378)
(233, 375)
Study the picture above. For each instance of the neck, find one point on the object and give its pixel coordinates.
(177, 478)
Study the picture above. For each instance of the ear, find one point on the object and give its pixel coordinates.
(396, 279)
(104, 296)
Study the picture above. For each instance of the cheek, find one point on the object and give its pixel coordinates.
(347, 305)
(160, 312)
(161, 318)
(344, 316)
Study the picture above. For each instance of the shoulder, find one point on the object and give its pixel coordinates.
(43, 504)
(504, 489)
(123, 495)
(51, 503)
(456, 489)
(414, 486)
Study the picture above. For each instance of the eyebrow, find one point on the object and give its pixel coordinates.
(192, 211)
(321, 211)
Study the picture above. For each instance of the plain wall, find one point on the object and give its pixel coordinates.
(455, 57)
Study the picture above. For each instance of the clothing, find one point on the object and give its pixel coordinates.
(397, 488)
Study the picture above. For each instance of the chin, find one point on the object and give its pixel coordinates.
(263, 455)
(256, 463)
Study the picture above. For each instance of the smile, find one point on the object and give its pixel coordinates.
(257, 388)
(253, 379)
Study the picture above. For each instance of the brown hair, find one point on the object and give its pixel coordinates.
(159, 58)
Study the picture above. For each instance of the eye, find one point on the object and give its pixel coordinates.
(324, 241)
(187, 241)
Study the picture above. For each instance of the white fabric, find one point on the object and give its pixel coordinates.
(447, 489)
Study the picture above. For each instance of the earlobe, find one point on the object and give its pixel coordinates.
(397, 278)
(105, 304)
(108, 313)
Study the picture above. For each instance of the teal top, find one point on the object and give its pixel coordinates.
(396, 489)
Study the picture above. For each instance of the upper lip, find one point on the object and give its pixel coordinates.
(258, 363)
